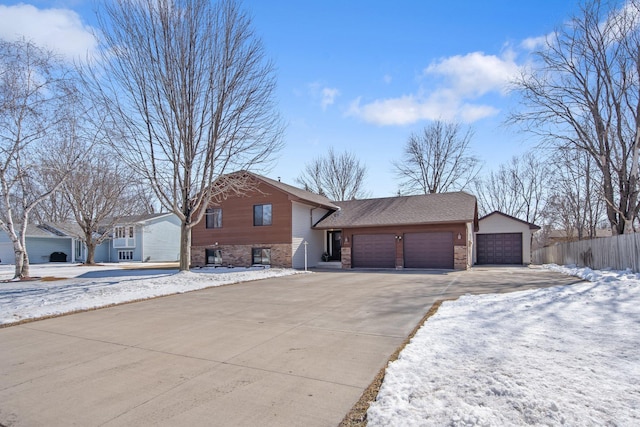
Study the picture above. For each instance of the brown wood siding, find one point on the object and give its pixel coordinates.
(428, 250)
(499, 248)
(374, 251)
(237, 220)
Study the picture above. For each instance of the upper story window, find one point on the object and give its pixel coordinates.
(262, 214)
(124, 237)
(213, 218)
(124, 232)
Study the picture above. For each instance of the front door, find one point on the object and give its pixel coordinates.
(334, 245)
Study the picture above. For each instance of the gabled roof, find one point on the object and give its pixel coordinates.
(72, 229)
(457, 207)
(296, 193)
(53, 230)
(531, 225)
(142, 218)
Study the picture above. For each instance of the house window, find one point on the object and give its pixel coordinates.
(262, 214)
(261, 256)
(213, 218)
(125, 255)
(214, 256)
(123, 236)
(124, 232)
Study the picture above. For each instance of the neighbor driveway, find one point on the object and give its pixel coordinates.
(291, 351)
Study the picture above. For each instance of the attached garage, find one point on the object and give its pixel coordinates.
(499, 248)
(421, 231)
(428, 250)
(373, 251)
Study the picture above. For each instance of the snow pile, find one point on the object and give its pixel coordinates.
(93, 287)
(567, 355)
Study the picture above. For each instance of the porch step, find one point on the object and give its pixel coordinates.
(329, 264)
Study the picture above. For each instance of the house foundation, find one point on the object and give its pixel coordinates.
(241, 255)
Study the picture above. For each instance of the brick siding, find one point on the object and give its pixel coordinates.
(241, 255)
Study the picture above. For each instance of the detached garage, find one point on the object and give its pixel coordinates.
(503, 240)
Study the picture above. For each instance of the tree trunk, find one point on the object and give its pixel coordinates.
(25, 264)
(607, 187)
(91, 253)
(185, 247)
(19, 259)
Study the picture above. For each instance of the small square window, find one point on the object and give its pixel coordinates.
(213, 218)
(261, 256)
(214, 256)
(262, 215)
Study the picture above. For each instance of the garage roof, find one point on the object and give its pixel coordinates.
(528, 224)
(403, 210)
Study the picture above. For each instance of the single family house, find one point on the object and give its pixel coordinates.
(149, 237)
(284, 226)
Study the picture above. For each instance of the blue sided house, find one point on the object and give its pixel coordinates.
(139, 238)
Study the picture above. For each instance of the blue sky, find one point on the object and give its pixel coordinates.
(363, 75)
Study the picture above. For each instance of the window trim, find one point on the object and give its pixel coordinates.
(259, 219)
(263, 251)
(215, 216)
(124, 236)
(125, 258)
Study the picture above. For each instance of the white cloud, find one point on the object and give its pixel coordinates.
(475, 74)
(328, 96)
(534, 43)
(325, 95)
(456, 85)
(61, 30)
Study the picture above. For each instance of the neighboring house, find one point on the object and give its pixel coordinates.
(149, 237)
(268, 225)
(548, 236)
(152, 237)
(503, 239)
(276, 224)
(47, 242)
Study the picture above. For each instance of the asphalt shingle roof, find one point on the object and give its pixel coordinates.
(403, 210)
(298, 192)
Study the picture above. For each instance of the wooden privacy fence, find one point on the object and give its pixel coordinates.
(616, 253)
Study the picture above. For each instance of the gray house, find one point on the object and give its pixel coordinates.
(151, 237)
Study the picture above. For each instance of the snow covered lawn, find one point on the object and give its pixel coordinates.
(568, 355)
(66, 288)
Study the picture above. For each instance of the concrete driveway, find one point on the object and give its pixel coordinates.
(292, 351)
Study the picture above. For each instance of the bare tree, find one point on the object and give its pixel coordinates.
(336, 176)
(99, 192)
(37, 99)
(575, 204)
(517, 188)
(437, 160)
(585, 94)
(189, 87)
